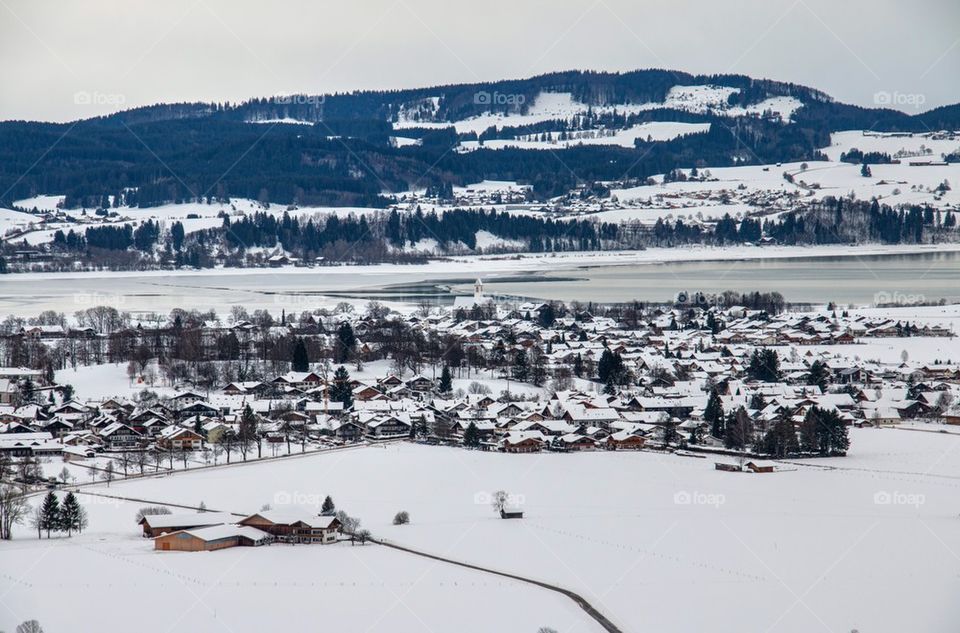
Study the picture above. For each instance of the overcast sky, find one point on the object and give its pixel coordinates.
(67, 59)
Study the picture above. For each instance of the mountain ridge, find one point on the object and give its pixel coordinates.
(359, 145)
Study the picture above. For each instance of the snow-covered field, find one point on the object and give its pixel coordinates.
(654, 131)
(561, 105)
(660, 543)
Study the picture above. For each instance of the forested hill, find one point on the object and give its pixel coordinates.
(350, 149)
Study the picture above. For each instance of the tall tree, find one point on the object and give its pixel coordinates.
(713, 415)
(72, 515)
(345, 343)
(471, 436)
(301, 362)
(341, 390)
(446, 382)
(50, 514)
(818, 375)
(521, 369)
(328, 508)
(764, 365)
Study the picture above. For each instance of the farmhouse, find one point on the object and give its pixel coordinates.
(295, 527)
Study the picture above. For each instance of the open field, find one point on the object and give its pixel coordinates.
(656, 542)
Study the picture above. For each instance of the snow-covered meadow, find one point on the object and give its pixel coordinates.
(657, 542)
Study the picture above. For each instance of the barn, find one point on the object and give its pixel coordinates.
(211, 538)
(157, 524)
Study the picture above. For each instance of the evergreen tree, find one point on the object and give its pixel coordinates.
(764, 365)
(50, 514)
(328, 508)
(346, 342)
(446, 382)
(611, 369)
(713, 415)
(547, 315)
(341, 390)
(72, 515)
(471, 436)
(818, 375)
(824, 432)
(739, 429)
(300, 361)
(521, 368)
(781, 440)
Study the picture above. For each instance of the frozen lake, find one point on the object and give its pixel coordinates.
(846, 279)
(841, 278)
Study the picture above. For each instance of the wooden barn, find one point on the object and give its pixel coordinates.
(211, 538)
(157, 524)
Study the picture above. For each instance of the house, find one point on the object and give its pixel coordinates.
(385, 427)
(118, 436)
(156, 524)
(523, 442)
(624, 441)
(295, 527)
(8, 391)
(178, 438)
(573, 442)
(27, 444)
(420, 383)
(214, 537)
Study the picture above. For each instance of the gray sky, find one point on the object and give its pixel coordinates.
(67, 59)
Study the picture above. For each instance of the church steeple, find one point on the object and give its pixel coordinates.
(478, 291)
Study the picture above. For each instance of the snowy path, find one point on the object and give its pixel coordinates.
(577, 598)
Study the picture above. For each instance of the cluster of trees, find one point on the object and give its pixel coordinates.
(842, 220)
(53, 516)
(822, 431)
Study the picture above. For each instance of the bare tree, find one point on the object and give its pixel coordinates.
(30, 626)
(151, 511)
(156, 456)
(499, 500)
(13, 509)
(140, 457)
(107, 475)
(125, 458)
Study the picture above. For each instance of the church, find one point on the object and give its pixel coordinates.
(477, 300)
